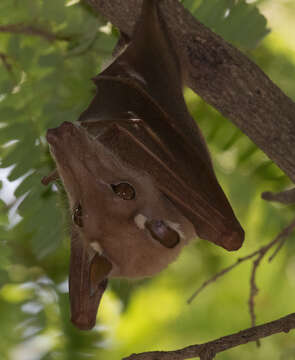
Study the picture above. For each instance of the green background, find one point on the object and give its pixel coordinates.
(44, 83)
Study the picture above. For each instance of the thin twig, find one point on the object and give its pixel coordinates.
(279, 247)
(207, 351)
(4, 59)
(285, 197)
(282, 238)
(258, 255)
(218, 275)
(24, 29)
(254, 291)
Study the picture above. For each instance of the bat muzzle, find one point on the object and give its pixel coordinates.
(55, 135)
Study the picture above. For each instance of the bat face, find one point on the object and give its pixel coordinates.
(117, 211)
(137, 172)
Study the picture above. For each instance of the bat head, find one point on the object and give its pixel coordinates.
(117, 211)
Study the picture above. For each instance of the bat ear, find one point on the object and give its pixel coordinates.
(163, 233)
(87, 283)
(100, 267)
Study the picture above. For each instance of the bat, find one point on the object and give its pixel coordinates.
(137, 172)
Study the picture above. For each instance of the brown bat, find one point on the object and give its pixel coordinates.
(137, 171)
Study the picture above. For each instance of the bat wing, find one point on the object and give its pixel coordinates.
(149, 62)
(140, 93)
(180, 173)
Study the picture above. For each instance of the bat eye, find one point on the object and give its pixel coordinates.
(124, 190)
(163, 233)
(77, 215)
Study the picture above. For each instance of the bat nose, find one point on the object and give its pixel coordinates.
(54, 135)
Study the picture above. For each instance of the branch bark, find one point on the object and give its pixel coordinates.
(5, 61)
(284, 197)
(258, 256)
(32, 30)
(207, 351)
(223, 77)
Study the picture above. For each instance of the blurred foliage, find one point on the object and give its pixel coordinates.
(236, 21)
(42, 84)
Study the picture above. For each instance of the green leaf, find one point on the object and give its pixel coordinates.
(54, 10)
(14, 47)
(238, 22)
(3, 213)
(28, 184)
(13, 131)
(51, 60)
(7, 114)
(232, 140)
(24, 154)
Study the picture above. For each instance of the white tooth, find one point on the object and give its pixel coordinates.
(96, 247)
(140, 220)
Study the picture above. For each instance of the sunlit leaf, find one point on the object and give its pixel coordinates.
(238, 22)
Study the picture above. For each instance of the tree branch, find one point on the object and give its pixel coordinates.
(207, 351)
(258, 255)
(223, 77)
(5, 61)
(285, 197)
(34, 31)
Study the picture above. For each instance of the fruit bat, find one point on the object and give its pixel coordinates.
(137, 171)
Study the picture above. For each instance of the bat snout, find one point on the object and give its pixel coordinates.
(55, 135)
